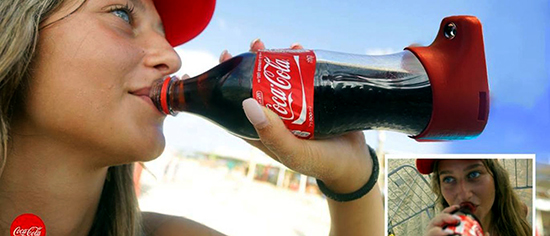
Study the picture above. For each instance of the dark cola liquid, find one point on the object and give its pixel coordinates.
(218, 94)
(345, 98)
(352, 98)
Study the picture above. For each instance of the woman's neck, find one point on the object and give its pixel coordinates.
(52, 181)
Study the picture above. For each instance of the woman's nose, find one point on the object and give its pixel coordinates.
(160, 54)
(464, 191)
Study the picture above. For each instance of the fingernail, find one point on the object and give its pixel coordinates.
(456, 217)
(254, 42)
(294, 45)
(448, 231)
(254, 113)
(223, 54)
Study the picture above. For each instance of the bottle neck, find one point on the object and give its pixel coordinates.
(173, 95)
(159, 94)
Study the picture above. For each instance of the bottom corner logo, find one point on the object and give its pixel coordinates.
(27, 225)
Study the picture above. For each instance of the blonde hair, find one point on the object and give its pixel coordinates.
(509, 213)
(118, 212)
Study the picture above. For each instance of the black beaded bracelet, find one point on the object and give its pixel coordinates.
(359, 193)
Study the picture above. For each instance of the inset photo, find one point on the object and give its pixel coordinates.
(460, 194)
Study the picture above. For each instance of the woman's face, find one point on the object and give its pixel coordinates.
(91, 79)
(467, 181)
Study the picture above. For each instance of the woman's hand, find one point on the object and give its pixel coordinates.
(343, 163)
(435, 228)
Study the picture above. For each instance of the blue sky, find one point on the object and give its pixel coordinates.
(516, 35)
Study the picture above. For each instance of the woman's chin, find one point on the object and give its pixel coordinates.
(145, 150)
(154, 151)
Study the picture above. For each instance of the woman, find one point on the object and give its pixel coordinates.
(484, 184)
(75, 115)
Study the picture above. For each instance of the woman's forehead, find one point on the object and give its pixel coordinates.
(458, 165)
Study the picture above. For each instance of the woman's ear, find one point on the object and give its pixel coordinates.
(525, 209)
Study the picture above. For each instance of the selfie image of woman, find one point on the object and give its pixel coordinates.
(497, 192)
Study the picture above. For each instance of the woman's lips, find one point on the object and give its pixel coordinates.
(142, 91)
(468, 205)
(148, 100)
(150, 103)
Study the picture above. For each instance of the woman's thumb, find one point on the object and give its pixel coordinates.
(273, 133)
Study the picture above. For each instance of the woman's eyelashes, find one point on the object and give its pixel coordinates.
(448, 179)
(471, 176)
(474, 175)
(124, 12)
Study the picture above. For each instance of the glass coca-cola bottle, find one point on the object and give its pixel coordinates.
(320, 93)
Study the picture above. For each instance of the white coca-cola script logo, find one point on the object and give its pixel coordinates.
(32, 231)
(280, 83)
(279, 80)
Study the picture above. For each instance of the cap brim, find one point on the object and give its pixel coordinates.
(425, 166)
(183, 20)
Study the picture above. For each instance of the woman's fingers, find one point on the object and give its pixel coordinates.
(450, 209)
(225, 56)
(441, 220)
(316, 158)
(296, 46)
(257, 45)
(438, 231)
(444, 219)
(278, 139)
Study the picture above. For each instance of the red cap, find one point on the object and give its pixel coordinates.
(425, 166)
(183, 20)
(455, 64)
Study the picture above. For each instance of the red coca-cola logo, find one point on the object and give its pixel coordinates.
(28, 225)
(283, 82)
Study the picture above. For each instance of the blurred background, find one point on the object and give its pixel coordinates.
(210, 176)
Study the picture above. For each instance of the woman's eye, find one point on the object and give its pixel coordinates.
(474, 174)
(122, 14)
(448, 179)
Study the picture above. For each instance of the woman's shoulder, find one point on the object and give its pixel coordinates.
(156, 224)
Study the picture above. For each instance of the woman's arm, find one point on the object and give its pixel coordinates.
(363, 216)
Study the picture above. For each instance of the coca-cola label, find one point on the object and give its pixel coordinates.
(468, 226)
(27, 225)
(283, 82)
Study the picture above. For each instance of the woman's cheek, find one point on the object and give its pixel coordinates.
(447, 192)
